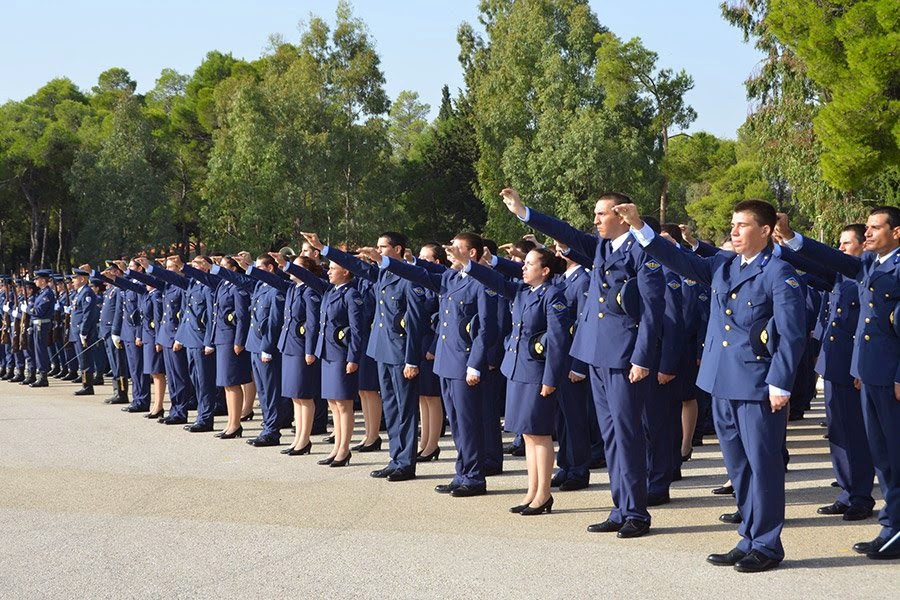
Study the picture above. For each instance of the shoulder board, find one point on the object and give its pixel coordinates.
(559, 306)
(358, 301)
(652, 264)
(690, 282)
(279, 297)
(87, 299)
(243, 292)
(674, 285)
(765, 260)
(490, 292)
(792, 281)
(419, 290)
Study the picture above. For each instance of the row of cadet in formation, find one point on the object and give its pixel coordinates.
(598, 343)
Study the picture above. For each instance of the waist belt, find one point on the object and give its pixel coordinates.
(41, 321)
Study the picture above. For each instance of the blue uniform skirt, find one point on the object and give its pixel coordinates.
(232, 369)
(336, 384)
(153, 360)
(429, 384)
(298, 379)
(529, 412)
(368, 375)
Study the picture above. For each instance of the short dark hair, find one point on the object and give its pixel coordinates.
(524, 246)
(892, 213)
(617, 198)
(674, 232)
(310, 264)
(491, 245)
(396, 239)
(763, 212)
(266, 260)
(440, 254)
(653, 222)
(858, 229)
(204, 258)
(472, 240)
(548, 258)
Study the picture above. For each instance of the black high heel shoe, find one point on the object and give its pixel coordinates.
(429, 457)
(248, 417)
(343, 462)
(325, 461)
(237, 433)
(687, 457)
(361, 447)
(287, 450)
(304, 450)
(155, 415)
(518, 508)
(545, 507)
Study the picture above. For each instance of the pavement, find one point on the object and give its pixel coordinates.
(96, 503)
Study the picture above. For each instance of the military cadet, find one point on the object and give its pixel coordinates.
(69, 365)
(178, 377)
(266, 320)
(369, 387)
(876, 354)
(621, 367)
(230, 327)
(128, 330)
(467, 330)
(395, 344)
(573, 427)
(83, 330)
(753, 345)
(154, 364)
(849, 447)
(57, 327)
(111, 315)
(98, 352)
(29, 291)
(192, 335)
(536, 362)
(5, 353)
(41, 322)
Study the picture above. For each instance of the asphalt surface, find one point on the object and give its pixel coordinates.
(96, 503)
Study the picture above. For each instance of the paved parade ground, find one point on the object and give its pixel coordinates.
(96, 503)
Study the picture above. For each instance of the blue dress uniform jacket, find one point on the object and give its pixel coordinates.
(231, 315)
(85, 315)
(41, 323)
(130, 328)
(876, 362)
(750, 434)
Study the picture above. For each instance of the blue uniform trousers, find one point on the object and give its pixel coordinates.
(117, 358)
(573, 431)
(68, 353)
(881, 415)
(85, 359)
(850, 455)
(494, 402)
(598, 452)
(99, 358)
(140, 382)
(464, 405)
(400, 401)
(275, 408)
(178, 380)
(658, 415)
(620, 409)
(751, 438)
(202, 368)
(40, 338)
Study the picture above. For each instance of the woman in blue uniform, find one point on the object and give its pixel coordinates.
(154, 366)
(535, 363)
(430, 410)
(369, 387)
(300, 375)
(338, 348)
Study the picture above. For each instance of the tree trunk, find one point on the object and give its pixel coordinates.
(35, 219)
(44, 244)
(664, 188)
(59, 251)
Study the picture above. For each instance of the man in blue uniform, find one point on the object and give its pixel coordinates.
(395, 344)
(41, 321)
(85, 315)
(111, 314)
(755, 295)
(876, 354)
(621, 364)
(128, 332)
(5, 352)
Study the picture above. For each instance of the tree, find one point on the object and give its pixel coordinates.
(408, 119)
(627, 72)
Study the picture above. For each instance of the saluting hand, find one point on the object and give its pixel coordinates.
(458, 255)
(687, 232)
(370, 254)
(783, 226)
(408, 256)
(278, 258)
(513, 202)
(486, 257)
(630, 214)
(313, 240)
(142, 260)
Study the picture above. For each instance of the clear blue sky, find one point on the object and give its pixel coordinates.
(416, 40)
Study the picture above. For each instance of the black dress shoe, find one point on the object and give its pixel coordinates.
(429, 457)
(731, 518)
(196, 428)
(834, 484)
(361, 447)
(263, 442)
(633, 528)
(723, 490)
(237, 433)
(174, 421)
(445, 488)
(342, 462)
(467, 491)
(658, 499)
(868, 547)
(401, 476)
(136, 409)
(892, 552)
(328, 439)
(607, 526)
(381, 473)
(116, 400)
(518, 451)
(857, 513)
(299, 451)
(756, 562)
(546, 507)
(570, 485)
(508, 448)
(557, 480)
(726, 560)
(836, 508)
(248, 417)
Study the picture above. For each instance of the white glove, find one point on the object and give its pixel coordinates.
(67, 310)
(5, 308)
(83, 340)
(15, 313)
(23, 307)
(117, 341)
